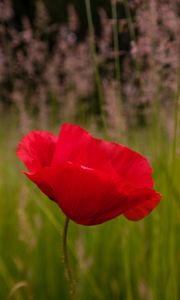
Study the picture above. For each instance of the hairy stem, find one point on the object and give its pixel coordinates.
(68, 270)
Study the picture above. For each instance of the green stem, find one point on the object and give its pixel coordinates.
(66, 260)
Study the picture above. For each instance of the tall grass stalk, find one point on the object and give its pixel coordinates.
(137, 67)
(13, 294)
(116, 47)
(176, 120)
(130, 21)
(172, 287)
(95, 64)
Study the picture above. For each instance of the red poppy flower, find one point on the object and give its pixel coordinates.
(90, 179)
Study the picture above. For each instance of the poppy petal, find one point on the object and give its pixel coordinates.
(133, 167)
(71, 137)
(36, 149)
(78, 146)
(40, 178)
(90, 179)
(90, 197)
(140, 211)
(83, 193)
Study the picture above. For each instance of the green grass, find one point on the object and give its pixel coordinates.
(117, 260)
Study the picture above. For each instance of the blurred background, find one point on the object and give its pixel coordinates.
(114, 68)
